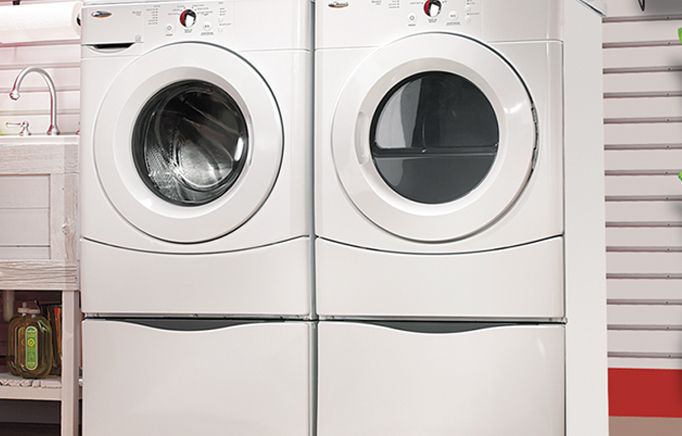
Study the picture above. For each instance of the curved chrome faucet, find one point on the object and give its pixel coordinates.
(14, 94)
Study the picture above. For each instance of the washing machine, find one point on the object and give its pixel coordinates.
(459, 218)
(196, 158)
(196, 217)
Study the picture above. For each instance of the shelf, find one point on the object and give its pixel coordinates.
(17, 388)
(38, 275)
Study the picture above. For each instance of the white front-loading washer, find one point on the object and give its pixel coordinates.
(196, 158)
(196, 212)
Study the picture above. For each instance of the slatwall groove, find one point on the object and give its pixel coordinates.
(639, 19)
(645, 302)
(648, 120)
(641, 172)
(608, 147)
(37, 112)
(37, 63)
(642, 198)
(629, 70)
(641, 95)
(643, 120)
(644, 276)
(646, 225)
(644, 249)
(639, 355)
(640, 44)
(645, 328)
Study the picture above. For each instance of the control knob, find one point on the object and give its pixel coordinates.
(432, 7)
(187, 18)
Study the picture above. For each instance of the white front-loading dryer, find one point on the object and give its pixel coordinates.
(447, 226)
(439, 160)
(196, 158)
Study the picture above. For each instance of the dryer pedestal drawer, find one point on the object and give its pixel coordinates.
(196, 377)
(517, 282)
(434, 380)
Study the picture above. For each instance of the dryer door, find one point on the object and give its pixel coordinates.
(188, 142)
(434, 137)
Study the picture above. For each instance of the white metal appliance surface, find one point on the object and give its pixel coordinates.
(196, 158)
(213, 378)
(459, 179)
(439, 138)
(440, 379)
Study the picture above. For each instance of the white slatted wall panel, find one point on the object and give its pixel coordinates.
(61, 61)
(643, 125)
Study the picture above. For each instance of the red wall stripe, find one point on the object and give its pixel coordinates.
(645, 392)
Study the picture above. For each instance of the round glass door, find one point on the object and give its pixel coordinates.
(434, 137)
(190, 143)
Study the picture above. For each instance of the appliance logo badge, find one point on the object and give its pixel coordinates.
(336, 4)
(101, 14)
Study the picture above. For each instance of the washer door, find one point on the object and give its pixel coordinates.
(188, 142)
(434, 137)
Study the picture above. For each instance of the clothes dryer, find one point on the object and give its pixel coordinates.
(440, 159)
(460, 270)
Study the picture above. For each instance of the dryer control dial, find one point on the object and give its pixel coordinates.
(188, 17)
(432, 8)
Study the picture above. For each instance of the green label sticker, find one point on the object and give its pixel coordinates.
(679, 33)
(31, 348)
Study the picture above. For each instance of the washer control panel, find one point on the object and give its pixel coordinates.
(144, 25)
(178, 20)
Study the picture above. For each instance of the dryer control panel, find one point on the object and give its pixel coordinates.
(374, 23)
(453, 14)
(387, 20)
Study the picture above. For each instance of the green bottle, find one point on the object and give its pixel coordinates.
(11, 337)
(34, 351)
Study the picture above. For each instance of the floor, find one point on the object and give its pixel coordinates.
(619, 427)
(646, 426)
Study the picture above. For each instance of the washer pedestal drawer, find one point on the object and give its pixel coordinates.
(196, 377)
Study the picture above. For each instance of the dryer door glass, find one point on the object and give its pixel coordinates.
(434, 137)
(190, 142)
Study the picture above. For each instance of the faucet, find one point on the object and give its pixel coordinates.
(14, 94)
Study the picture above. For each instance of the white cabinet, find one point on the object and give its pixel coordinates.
(196, 377)
(440, 379)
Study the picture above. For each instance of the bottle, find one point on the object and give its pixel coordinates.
(34, 351)
(11, 337)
